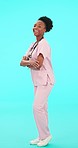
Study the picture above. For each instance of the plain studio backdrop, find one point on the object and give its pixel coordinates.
(17, 124)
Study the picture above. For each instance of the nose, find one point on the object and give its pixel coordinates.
(34, 28)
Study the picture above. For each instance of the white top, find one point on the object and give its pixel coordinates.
(45, 74)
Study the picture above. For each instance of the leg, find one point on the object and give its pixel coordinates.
(40, 110)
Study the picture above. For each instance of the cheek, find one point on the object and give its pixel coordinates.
(41, 31)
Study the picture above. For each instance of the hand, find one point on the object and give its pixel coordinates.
(30, 63)
(23, 63)
(34, 63)
(24, 58)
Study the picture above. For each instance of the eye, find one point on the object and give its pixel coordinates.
(34, 25)
(39, 26)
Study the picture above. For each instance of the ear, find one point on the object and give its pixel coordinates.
(44, 30)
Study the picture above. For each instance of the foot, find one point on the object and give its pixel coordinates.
(35, 141)
(45, 141)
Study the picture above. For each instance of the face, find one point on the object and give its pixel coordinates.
(39, 28)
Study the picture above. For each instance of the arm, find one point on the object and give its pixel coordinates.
(24, 63)
(29, 63)
(40, 59)
(33, 64)
(39, 62)
(24, 58)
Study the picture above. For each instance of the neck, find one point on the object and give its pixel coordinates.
(39, 38)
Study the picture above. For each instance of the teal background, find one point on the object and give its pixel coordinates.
(17, 125)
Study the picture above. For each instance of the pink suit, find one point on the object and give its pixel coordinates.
(43, 81)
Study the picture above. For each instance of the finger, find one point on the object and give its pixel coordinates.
(36, 65)
(37, 61)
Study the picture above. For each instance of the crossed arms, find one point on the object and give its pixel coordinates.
(32, 63)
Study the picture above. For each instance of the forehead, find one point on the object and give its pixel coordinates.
(39, 22)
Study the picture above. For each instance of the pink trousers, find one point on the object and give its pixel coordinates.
(40, 109)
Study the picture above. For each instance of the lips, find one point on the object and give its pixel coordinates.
(35, 31)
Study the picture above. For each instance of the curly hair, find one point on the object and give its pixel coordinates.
(48, 22)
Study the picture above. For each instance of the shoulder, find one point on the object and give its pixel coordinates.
(44, 42)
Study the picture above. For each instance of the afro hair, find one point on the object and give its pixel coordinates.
(48, 22)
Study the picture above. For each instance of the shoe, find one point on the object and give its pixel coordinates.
(45, 141)
(35, 141)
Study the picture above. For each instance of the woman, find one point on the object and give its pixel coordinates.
(39, 61)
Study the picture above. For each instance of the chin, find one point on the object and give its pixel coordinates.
(35, 34)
